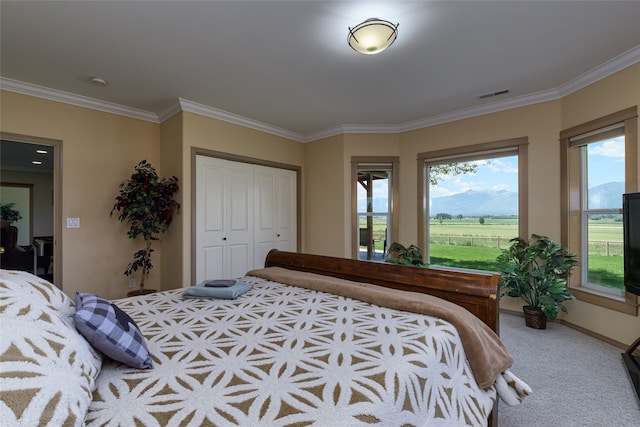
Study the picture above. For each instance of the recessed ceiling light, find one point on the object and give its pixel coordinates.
(98, 81)
(36, 162)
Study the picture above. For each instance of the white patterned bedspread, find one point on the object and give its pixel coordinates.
(286, 356)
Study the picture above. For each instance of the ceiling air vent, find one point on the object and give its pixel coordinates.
(492, 94)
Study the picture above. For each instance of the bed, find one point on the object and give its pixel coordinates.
(317, 340)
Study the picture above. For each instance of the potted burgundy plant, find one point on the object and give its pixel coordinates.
(147, 203)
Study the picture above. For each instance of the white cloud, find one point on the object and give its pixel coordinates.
(500, 166)
(500, 187)
(609, 148)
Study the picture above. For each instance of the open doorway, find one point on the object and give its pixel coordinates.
(29, 197)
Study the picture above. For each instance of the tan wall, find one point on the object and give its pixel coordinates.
(99, 151)
(615, 93)
(326, 224)
(174, 259)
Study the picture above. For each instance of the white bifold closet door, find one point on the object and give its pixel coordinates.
(242, 212)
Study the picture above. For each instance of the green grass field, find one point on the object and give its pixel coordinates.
(469, 244)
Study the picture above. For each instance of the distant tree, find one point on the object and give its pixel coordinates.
(436, 171)
(481, 220)
(459, 217)
(442, 216)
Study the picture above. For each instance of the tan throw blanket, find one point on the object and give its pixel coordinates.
(487, 355)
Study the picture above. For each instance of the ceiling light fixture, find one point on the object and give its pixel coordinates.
(372, 36)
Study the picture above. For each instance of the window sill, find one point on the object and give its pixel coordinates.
(628, 305)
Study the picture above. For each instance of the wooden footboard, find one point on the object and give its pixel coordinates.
(476, 291)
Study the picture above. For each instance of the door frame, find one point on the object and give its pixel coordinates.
(197, 151)
(56, 144)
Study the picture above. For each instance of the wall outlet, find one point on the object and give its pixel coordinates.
(132, 283)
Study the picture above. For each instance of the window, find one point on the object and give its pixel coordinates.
(373, 206)
(599, 165)
(473, 202)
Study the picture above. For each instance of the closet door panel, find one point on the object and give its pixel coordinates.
(224, 218)
(239, 257)
(209, 252)
(286, 229)
(213, 262)
(275, 201)
(264, 199)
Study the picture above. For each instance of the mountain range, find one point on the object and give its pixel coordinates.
(505, 203)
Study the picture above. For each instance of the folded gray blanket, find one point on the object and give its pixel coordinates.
(230, 292)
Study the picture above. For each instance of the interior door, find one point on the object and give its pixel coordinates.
(34, 162)
(224, 218)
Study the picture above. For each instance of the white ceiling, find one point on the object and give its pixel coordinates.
(286, 65)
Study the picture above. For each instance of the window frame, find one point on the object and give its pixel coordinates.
(571, 200)
(516, 146)
(388, 162)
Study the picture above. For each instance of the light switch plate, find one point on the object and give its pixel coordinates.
(73, 222)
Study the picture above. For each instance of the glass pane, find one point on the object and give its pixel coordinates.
(473, 211)
(372, 236)
(605, 173)
(373, 190)
(605, 251)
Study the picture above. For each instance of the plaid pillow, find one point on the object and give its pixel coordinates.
(111, 331)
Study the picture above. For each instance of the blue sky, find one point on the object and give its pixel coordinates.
(606, 164)
(495, 174)
(606, 161)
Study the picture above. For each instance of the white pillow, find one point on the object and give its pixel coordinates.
(48, 369)
(23, 283)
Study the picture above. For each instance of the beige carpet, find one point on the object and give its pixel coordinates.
(577, 380)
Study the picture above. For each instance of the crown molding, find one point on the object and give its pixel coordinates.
(349, 129)
(494, 107)
(600, 72)
(77, 100)
(620, 62)
(204, 110)
(170, 111)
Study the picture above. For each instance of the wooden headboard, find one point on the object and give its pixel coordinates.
(476, 291)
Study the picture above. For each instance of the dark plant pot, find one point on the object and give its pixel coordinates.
(140, 292)
(534, 317)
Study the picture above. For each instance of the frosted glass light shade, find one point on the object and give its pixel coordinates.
(372, 36)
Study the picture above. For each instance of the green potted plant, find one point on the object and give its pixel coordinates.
(537, 271)
(399, 254)
(147, 203)
(8, 214)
